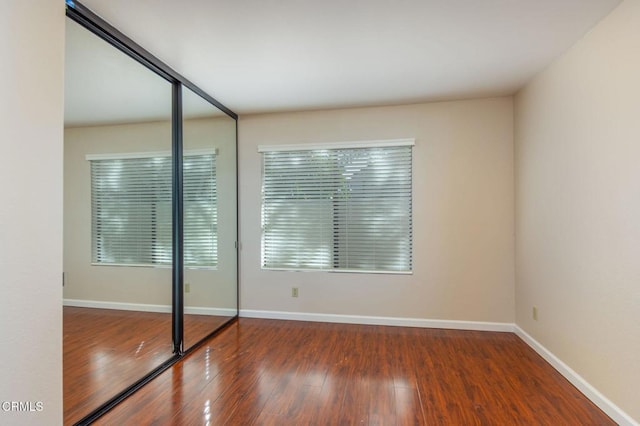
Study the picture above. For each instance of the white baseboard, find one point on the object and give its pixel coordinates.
(612, 410)
(193, 310)
(369, 320)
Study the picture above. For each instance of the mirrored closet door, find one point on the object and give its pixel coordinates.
(149, 171)
(117, 221)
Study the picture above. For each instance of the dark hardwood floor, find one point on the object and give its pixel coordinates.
(269, 372)
(106, 350)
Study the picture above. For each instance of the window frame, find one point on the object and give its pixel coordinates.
(407, 142)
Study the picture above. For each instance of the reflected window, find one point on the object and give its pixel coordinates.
(131, 209)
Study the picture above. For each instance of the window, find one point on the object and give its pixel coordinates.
(131, 215)
(335, 207)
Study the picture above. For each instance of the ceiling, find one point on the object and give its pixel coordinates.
(259, 56)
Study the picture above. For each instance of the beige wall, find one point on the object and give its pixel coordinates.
(578, 207)
(462, 213)
(32, 52)
(145, 285)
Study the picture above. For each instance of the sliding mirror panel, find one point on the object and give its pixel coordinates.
(117, 222)
(209, 200)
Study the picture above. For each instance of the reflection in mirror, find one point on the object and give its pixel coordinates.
(210, 260)
(117, 222)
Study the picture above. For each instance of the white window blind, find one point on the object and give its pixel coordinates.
(131, 210)
(345, 209)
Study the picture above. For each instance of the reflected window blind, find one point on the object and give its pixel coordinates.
(346, 209)
(132, 210)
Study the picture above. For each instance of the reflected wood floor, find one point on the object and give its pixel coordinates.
(106, 350)
(270, 372)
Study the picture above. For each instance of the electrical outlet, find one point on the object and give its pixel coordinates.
(187, 288)
(294, 292)
(535, 313)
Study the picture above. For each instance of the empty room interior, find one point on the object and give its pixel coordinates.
(297, 212)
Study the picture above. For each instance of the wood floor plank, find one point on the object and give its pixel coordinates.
(269, 372)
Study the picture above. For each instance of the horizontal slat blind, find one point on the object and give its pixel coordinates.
(338, 209)
(131, 211)
(200, 211)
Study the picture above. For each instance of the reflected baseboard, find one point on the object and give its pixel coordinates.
(144, 307)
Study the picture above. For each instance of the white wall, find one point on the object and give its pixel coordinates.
(145, 285)
(462, 210)
(578, 207)
(32, 52)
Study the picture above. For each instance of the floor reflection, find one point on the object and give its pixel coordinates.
(107, 350)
